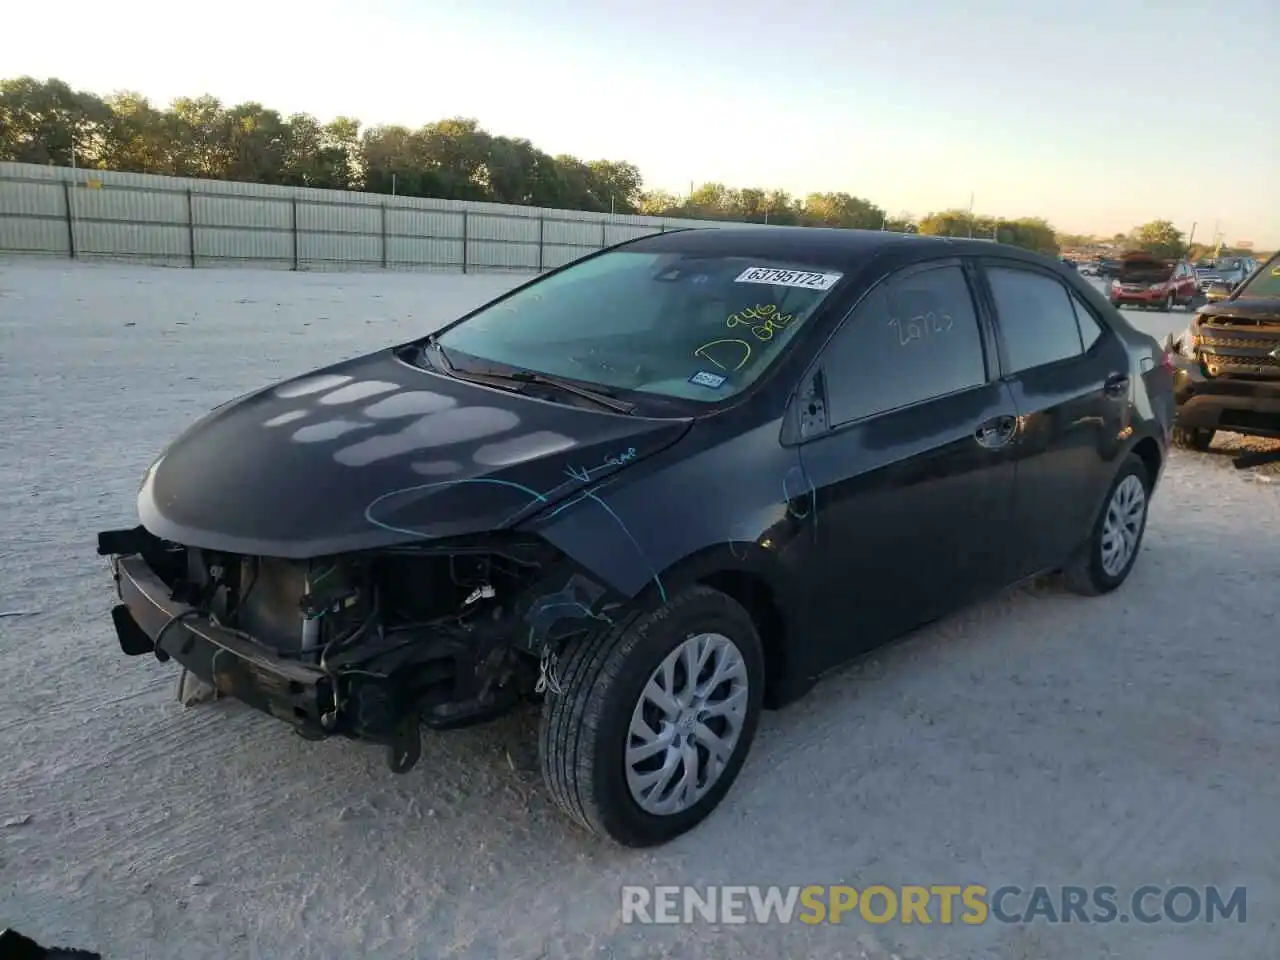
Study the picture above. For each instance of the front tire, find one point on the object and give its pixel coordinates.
(1104, 561)
(1166, 305)
(654, 718)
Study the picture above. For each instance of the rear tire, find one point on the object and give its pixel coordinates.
(594, 762)
(1097, 567)
(1189, 438)
(1166, 305)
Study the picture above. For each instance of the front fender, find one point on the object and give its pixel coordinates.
(692, 510)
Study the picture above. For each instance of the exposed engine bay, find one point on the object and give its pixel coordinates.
(366, 645)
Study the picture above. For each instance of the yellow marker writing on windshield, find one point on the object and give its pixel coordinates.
(741, 346)
(764, 320)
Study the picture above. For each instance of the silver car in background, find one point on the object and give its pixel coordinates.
(1229, 271)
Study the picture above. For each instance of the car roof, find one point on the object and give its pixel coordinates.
(819, 246)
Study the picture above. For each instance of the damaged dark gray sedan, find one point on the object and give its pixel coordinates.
(658, 490)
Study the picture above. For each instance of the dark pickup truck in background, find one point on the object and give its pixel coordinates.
(1228, 363)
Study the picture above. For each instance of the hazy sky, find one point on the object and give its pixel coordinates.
(1097, 115)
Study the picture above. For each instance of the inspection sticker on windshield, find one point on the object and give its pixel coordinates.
(705, 378)
(788, 278)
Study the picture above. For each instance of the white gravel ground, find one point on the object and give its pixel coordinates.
(1037, 738)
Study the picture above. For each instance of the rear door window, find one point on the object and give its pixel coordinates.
(1091, 328)
(914, 337)
(1037, 320)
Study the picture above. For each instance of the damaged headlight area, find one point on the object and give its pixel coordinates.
(1184, 344)
(366, 645)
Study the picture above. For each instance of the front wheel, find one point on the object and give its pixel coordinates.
(1166, 305)
(654, 717)
(1103, 562)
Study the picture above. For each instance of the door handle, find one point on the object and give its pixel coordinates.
(1116, 384)
(996, 432)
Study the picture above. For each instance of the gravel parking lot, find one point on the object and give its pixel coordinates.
(1038, 738)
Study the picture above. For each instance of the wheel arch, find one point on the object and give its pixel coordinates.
(754, 578)
(1148, 451)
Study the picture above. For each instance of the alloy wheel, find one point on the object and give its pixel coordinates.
(1122, 525)
(686, 724)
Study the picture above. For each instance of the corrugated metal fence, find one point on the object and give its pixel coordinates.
(59, 211)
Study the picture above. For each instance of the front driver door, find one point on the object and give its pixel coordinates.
(912, 476)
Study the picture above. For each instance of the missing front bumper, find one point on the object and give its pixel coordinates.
(306, 697)
(403, 661)
(379, 692)
(149, 621)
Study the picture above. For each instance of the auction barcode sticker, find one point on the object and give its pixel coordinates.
(789, 278)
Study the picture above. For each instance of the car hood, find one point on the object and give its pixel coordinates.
(1245, 309)
(374, 452)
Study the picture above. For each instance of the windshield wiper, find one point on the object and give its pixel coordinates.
(433, 344)
(529, 376)
(493, 381)
(568, 386)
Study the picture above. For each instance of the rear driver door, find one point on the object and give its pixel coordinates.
(1070, 378)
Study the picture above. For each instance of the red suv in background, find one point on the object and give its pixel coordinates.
(1148, 281)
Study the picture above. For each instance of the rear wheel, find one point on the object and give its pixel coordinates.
(654, 718)
(1166, 305)
(1103, 562)
(1189, 438)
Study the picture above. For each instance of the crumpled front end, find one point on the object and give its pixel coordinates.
(365, 645)
(1228, 369)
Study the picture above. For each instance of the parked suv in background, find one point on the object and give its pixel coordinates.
(1228, 364)
(1148, 281)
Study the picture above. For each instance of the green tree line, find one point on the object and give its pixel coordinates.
(1159, 237)
(48, 122)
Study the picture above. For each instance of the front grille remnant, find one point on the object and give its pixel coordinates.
(1239, 347)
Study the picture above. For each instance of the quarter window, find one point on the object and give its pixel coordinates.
(1090, 327)
(911, 339)
(1036, 318)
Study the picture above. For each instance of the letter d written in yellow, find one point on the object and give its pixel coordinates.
(814, 910)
